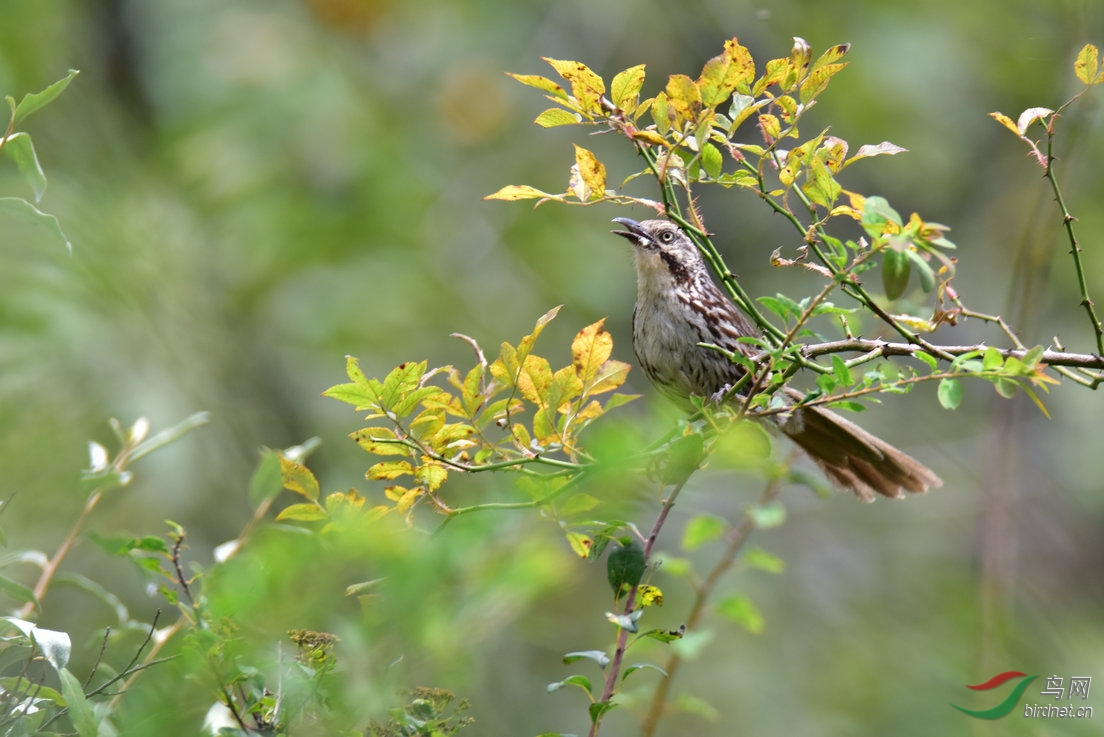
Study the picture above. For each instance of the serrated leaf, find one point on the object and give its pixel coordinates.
(1087, 64)
(586, 86)
(21, 150)
(556, 116)
(702, 529)
(711, 160)
(732, 70)
(684, 97)
(298, 478)
(625, 87)
(950, 393)
(588, 176)
(590, 349)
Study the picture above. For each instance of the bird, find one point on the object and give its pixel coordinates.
(679, 307)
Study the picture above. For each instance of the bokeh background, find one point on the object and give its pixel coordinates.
(254, 190)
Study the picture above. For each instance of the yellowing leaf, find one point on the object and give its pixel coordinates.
(534, 379)
(586, 86)
(648, 595)
(684, 96)
(298, 478)
(650, 136)
(661, 113)
(579, 543)
(389, 470)
(406, 501)
(588, 175)
(541, 83)
(590, 349)
(1087, 65)
(726, 73)
(302, 513)
(432, 474)
(625, 87)
(1006, 121)
(817, 81)
(379, 441)
(515, 192)
(776, 72)
(770, 126)
(555, 116)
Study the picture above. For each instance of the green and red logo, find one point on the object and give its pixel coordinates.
(1005, 707)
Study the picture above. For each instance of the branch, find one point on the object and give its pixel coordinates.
(885, 348)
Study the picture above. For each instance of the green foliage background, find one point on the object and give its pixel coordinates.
(256, 189)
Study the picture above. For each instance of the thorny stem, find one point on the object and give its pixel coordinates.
(1075, 247)
(734, 542)
(630, 602)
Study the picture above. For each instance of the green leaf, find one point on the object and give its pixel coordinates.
(895, 272)
(22, 594)
(265, 483)
(702, 529)
(877, 212)
(760, 560)
(55, 646)
(950, 393)
(302, 513)
(170, 435)
(767, 516)
(684, 455)
(663, 635)
(577, 504)
(641, 666)
(597, 709)
(711, 160)
(841, 372)
(20, 148)
(581, 681)
(741, 610)
(991, 360)
(80, 711)
(37, 100)
(598, 656)
(781, 305)
(625, 565)
(24, 210)
(625, 87)
(556, 116)
(931, 361)
(1032, 357)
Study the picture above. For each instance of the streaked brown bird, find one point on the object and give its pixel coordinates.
(678, 306)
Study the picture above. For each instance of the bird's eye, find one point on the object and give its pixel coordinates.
(666, 236)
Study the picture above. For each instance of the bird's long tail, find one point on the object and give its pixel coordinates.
(854, 459)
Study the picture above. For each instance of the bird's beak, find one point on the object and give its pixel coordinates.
(632, 231)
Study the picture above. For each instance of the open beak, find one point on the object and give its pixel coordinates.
(632, 231)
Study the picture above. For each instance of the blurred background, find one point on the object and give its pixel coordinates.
(254, 190)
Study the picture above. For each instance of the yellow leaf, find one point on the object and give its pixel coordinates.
(726, 73)
(625, 87)
(527, 342)
(777, 70)
(541, 83)
(302, 513)
(515, 192)
(1006, 121)
(534, 379)
(770, 126)
(685, 97)
(817, 81)
(555, 116)
(1087, 65)
(406, 501)
(298, 478)
(394, 493)
(611, 375)
(586, 86)
(431, 473)
(649, 596)
(589, 412)
(580, 543)
(389, 470)
(379, 441)
(650, 136)
(590, 349)
(588, 175)
(661, 113)
(348, 500)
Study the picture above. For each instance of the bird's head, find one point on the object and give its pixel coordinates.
(662, 251)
